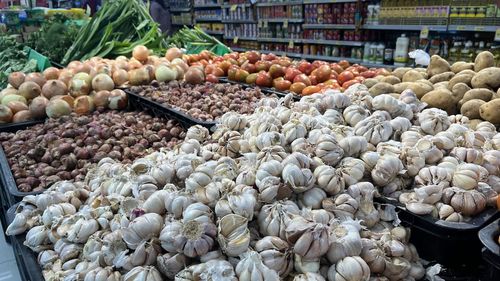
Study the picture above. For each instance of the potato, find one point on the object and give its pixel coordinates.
(484, 60)
(381, 88)
(370, 82)
(419, 88)
(438, 65)
(459, 91)
(496, 95)
(425, 81)
(443, 84)
(400, 71)
(412, 76)
(490, 111)
(461, 65)
(440, 98)
(487, 78)
(471, 108)
(459, 78)
(391, 79)
(445, 76)
(467, 71)
(479, 93)
(399, 87)
(379, 77)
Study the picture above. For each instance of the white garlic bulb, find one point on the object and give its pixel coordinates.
(233, 235)
(252, 268)
(310, 239)
(143, 273)
(386, 170)
(241, 200)
(198, 133)
(433, 120)
(349, 269)
(273, 218)
(298, 179)
(375, 128)
(276, 254)
(353, 114)
(192, 238)
(329, 179)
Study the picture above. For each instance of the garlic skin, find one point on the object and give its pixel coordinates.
(198, 133)
(354, 113)
(142, 229)
(353, 146)
(241, 200)
(349, 269)
(251, 267)
(170, 264)
(140, 273)
(299, 180)
(386, 170)
(328, 150)
(376, 128)
(310, 239)
(233, 234)
(467, 176)
(234, 121)
(346, 241)
(311, 198)
(192, 238)
(329, 179)
(106, 274)
(309, 276)
(273, 218)
(433, 121)
(276, 254)
(467, 202)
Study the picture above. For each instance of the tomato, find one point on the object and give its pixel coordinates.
(231, 73)
(322, 73)
(350, 83)
(249, 67)
(309, 90)
(361, 68)
(368, 74)
(276, 71)
(336, 67)
(263, 65)
(212, 78)
(225, 65)
(209, 69)
(218, 72)
(264, 79)
(297, 87)
(253, 56)
(281, 84)
(302, 78)
(251, 78)
(360, 79)
(241, 75)
(345, 76)
(344, 64)
(284, 62)
(291, 72)
(314, 79)
(306, 67)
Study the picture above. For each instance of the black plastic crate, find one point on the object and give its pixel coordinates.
(29, 269)
(454, 245)
(265, 90)
(14, 127)
(491, 251)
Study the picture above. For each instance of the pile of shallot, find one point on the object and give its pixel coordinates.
(285, 192)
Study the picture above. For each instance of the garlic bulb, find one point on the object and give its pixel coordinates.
(329, 179)
(252, 268)
(349, 269)
(376, 128)
(431, 153)
(467, 176)
(292, 130)
(304, 265)
(311, 198)
(198, 133)
(328, 150)
(233, 235)
(386, 170)
(353, 114)
(346, 241)
(267, 154)
(170, 264)
(241, 200)
(352, 170)
(310, 239)
(234, 121)
(298, 179)
(229, 144)
(143, 273)
(273, 218)
(276, 254)
(467, 202)
(332, 116)
(201, 176)
(142, 229)
(433, 175)
(56, 211)
(344, 206)
(353, 146)
(309, 276)
(98, 274)
(192, 238)
(433, 120)
(373, 255)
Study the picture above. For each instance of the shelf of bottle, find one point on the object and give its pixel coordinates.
(290, 20)
(212, 32)
(239, 38)
(483, 28)
(207, 6)
(328, 26)
(328, 1)
(238, 21)
(207, 19)
(180, 10)
(238, 5)
(278, 40)
(405, 27)
(333, 42)
(288, 3)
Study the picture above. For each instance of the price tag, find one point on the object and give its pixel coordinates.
(461, 27)
(497, 35)
(265, 24)
(233, 8)
(235, 40)
(478, 28)
(424, 33)
(285, 23)
(290, 45)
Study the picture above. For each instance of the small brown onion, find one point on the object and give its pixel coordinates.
(51, 73)
(118, 99)
(36, 77)
(5, 114)
(83, 105)
(16, 106)
(16, 79)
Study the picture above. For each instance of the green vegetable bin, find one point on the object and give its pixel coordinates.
(42, 62)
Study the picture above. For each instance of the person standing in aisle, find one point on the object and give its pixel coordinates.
(160, 11)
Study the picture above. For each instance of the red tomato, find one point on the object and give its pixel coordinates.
(302, 78)
(212, 78)
(298, 87)
(310, 90)
(344, 64)
(349, 83)
(345, 76)
(368, 74)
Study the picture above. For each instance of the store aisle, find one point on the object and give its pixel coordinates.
(8, 265)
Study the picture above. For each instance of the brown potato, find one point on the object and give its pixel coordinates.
(391, 79)
(490, 111)
(459, 78)
(445, 76)
(370, 82)
(438, 65)
(381, 88)
(439, 85)
(461, 65)
(479, 93)
(419, 88)
(459, 91)
(412, 76)
(440, 98)
(400, 71)
(484, 60)
(487, 78)
(471, 108)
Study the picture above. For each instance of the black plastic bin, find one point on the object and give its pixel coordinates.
(29, 269)
(491, 251)
(454, 245)
(265, 90)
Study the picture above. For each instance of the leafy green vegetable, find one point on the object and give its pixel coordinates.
(196, 40)
(118, 27)
(54, 37)
(13, 58)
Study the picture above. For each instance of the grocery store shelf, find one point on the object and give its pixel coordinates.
(180, 10)
(328, 26)
(239, 21)
(333, 42)
(207, 19)
(328, 1)
(279, 40)
(240, 38)
(239, 5)
(236, 49)
(377, 65)
(281, 3)
(206, 6)
(282, 20)
(180, 23)
(485, 28)
(278, 53)
(406, 27)
(211, 32)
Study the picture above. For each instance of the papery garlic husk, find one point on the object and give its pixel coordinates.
(252, 268)
(272, 189)
(293, 130)
(229, 144)
(420, 208)
(170, 264)
(211, 270)
(353, 146)
(386, 169)
(352, 170)
(233, 235)
(394, 248)
(56, 211)
(201, 176)
(309, 276)
(310, 239)
(274, 218)
(318, 216)
(156, 202)
(443, 140)
(431, 153)
(467, 175)
(429, 194)
(312, 198)
(142, 229)
(410, 138)
(343, 206)
(303, 265)
(67, 251)
(433, 175)
(353, 114)
(349, 269)
(113, 246)
(492, 162)
(103, 274)
(392, 105)
(467, 202)
(412, 160)
(246, 177)
(399, 126)
(192, 238)
(211, 193)
(375, 128)
(185, 164)
(468, 155)
(271, 153)
(345, 241)
(364, 192)
(333, 116)
(234, 121)
(143, 273)
(373, 255)
(397, 268)
(271, 168)
(198, 133)
(46, 258)
(37, 239)
(328, 150)
(146, 253)
(298, 159)
(433, 120)
(298, 179)
(242, 201)
(276, 254)
(329, 179)
(267, 139)
(177, 201)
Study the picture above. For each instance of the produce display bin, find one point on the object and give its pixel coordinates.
(491, 251)
(139, 102)
(454, 245)
(29, 269)
(265, 90)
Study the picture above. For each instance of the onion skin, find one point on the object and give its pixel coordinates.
(140, 53)
(101, 98)
(8, 98)
(57, 108)
(120, 77)
(5, 114)
(22, 116)
(36, 77)
(83, 105)
(65, 76)
(194, 76)
(117, 99)
(79, 87)
(51, 73)
(16, 106)
(173, 53)
(102, 82)
(139, 76)
(67, 98)
(16, 79)
(29, 90)
(54, 88)
(37, 107)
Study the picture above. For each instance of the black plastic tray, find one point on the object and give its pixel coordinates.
(140, 102)
(265, 90)
(491, 251)
(14, 127)
(29, 269)
(455, 245)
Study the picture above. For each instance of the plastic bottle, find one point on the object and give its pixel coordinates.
(373, 52)
(366, 52)
(380, 53)
(467, 53)
(401, 52)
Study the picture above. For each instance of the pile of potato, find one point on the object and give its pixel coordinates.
(469, 89)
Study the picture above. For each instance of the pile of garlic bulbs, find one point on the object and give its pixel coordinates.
(284, 193)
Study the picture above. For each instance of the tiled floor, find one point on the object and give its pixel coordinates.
(8, 265)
